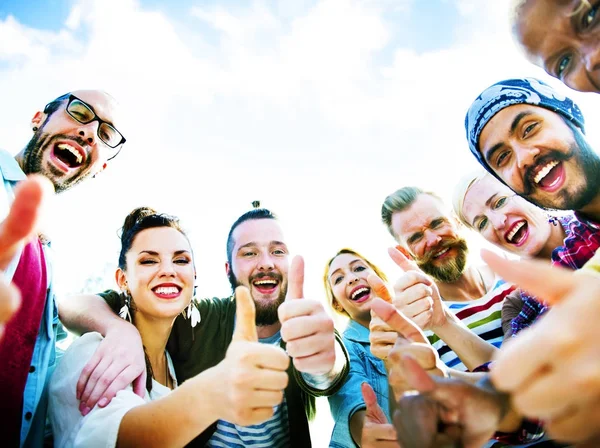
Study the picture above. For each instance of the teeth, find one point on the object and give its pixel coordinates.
(265, 282)
(514, 231)
(72, 150)
(358, 291)
(166, 290)
(441, 252)
(544, 171)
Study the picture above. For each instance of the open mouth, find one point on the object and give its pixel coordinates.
(68, 155)
(167, 292)
(518, 233)
(549, 176)
(266, 285)
(360, 294)
(440, 253)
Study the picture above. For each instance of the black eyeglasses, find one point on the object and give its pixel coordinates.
(84, 114)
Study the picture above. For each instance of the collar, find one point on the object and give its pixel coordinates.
(356, 332)
(587, 221)
(9, 167)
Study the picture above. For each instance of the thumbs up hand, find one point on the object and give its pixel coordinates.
(377, 431)
(416, 295)
(252, 375)
(306, 327)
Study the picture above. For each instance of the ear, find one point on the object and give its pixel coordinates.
(121, 279)
(38, 119)
(336, 306)
(227, 268)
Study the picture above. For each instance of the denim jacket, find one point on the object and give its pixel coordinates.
(363, 367)
(35, 397)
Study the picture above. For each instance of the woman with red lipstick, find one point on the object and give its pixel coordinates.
(156, 275)
(508, 221)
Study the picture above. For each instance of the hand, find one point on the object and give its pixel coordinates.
(306, 327)
(446, 412)
(557, 358)
(382, 337)
(410, 341)
(377, 431)
(15, 230)
(417, 295)
(252, 377)
(118, 361)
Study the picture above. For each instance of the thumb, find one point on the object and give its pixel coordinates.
(23, 216)
(374, 412)
(416, 376)
(550, 284)
(400, 257)
(379, 287)
(139, 385)
(397, 321)
(295, 289)
(245, 320)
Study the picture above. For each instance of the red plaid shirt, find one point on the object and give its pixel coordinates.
(580, 245)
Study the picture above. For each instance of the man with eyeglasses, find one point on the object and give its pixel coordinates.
(73, 138)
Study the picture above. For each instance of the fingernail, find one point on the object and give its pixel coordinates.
(103, 402)
(83, 408)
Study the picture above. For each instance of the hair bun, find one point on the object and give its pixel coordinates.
(255, 204)
(135, 216)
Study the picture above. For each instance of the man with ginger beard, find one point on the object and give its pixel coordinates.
(428, 234)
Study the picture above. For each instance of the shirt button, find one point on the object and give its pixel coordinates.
(28, 416)
(31, 369)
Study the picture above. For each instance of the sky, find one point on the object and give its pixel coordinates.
(317, 108)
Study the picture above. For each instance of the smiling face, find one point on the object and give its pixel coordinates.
(347, 278)
(64, 150)
(540, 157)
(430, 235)
(159, 273)
(505, 219)
(260, 261)
(562, 37)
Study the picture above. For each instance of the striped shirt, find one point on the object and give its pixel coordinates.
(273, 433)
(483, 316)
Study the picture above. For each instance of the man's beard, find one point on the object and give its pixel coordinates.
(33, 155)
(584, 157)
(266, 313)
(451, 268)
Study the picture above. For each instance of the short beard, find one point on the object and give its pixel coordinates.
(589, 162)
(266, 313)
(34, 153)
(452, 269)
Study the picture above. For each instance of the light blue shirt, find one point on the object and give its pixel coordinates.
(35, 397)
(364, 367)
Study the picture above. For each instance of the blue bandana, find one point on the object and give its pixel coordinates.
(515, 91)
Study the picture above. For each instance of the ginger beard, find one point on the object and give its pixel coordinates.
(445, 262)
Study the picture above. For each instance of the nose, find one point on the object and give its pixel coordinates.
(167, 269)
(526, 155)
(352, 278)
(265, 263)
(431, 238)
(498, 220)
(590, 54)
(88, 132)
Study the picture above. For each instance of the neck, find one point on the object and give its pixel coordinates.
(592, 209)
(155, 334)
(20, 160)
(266, 331)
(467, 287)
(557, 236)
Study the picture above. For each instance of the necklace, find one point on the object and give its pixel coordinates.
(482, 281)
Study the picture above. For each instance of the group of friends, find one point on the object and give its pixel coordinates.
(448, 354)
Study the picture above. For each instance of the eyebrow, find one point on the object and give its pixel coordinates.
(513, 127)
(338, 269)
(254, 243)
(151, 252)
(487, 204)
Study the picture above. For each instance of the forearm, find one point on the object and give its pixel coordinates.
(85, 313)
(152, 424)
(470, 348)
(356, 426)
(328, 383)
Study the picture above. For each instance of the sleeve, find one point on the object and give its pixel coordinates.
(348, 399)
(333, 384)
(112, 298)
(99, 428)
(511, 307)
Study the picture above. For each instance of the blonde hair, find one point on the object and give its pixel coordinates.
(460, 192)
(331, 300)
